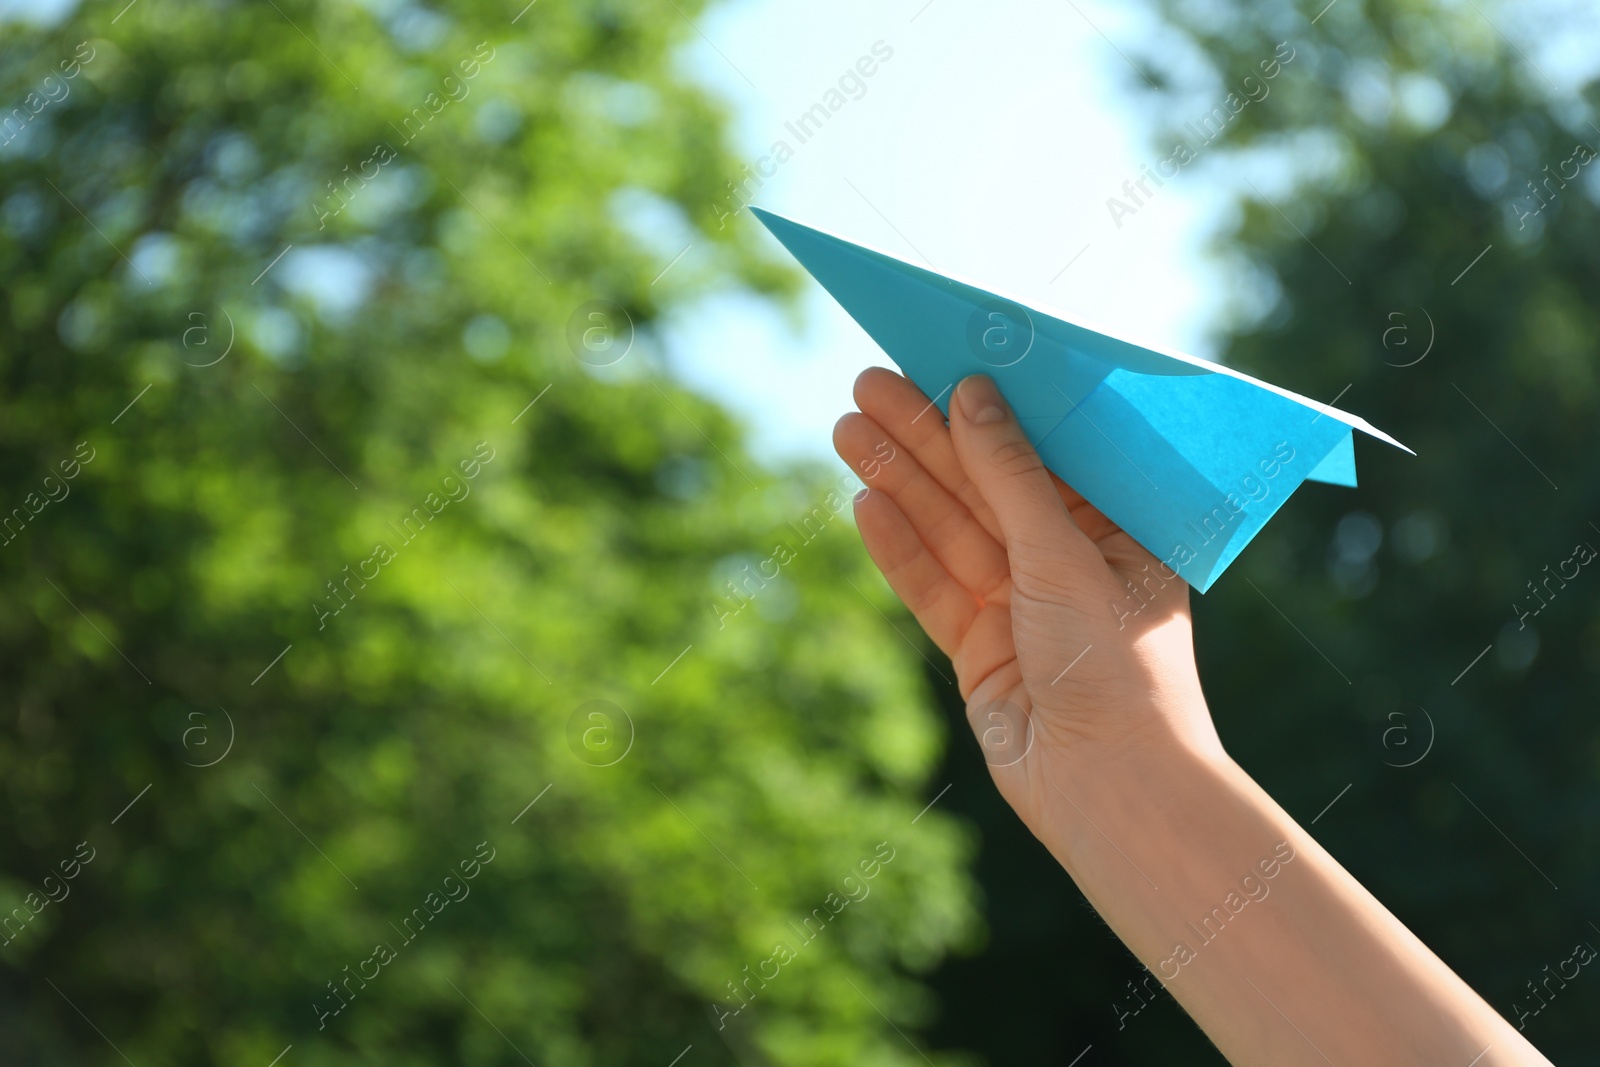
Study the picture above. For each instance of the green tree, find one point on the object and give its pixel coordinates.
(313, 302)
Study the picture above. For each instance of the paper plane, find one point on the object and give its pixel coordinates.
(1189, 457)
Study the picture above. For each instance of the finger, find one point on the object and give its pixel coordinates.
(961, 545)
(902, 409)
(1040, 535)
(941, 605)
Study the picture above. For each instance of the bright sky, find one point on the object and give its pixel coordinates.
(988, 143)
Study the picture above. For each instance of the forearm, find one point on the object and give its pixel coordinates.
(1269, 944)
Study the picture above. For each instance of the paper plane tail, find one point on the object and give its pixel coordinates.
(1339, 466)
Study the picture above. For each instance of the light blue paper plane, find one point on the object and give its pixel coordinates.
(1189, 457)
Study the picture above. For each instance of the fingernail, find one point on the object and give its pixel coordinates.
(980, 400)
(862, 495)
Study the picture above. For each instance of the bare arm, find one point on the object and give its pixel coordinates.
(1097, 733)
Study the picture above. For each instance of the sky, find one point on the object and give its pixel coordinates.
(986, 144)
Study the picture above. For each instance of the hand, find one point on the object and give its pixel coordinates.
(1024, 585)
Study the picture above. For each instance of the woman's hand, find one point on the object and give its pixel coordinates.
(1085, 700)
(1068, 638)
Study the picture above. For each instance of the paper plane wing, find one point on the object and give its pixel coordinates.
(1189, 457)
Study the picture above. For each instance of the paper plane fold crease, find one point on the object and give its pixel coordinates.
(1189, 457)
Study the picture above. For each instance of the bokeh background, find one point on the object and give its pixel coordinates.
(281, 277)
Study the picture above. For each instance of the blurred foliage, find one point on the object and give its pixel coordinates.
(291, 272)
(144, 205)
(1394, 149)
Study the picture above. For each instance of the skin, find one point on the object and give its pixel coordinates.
(1098, 735)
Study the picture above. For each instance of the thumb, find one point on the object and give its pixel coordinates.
(1040, 534)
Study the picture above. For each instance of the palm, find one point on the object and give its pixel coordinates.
(1042, 662)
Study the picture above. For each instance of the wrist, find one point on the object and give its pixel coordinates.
(1135, 790)
(1162, 726)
